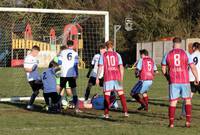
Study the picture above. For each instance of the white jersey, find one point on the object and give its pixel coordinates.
(69, 59)
(196, 59)
(95, 62)
(29, 61)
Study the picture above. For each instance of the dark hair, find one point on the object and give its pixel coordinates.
(70, 42)
(102, 46)
(35, 47)
(177, 40)
(53, 64)
(144, 51)
(63, 47)
(196, 45)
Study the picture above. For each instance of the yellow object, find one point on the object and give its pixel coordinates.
(81, 64)
(28, 44)
(80, 44)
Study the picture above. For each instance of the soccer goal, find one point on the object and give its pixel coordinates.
(21, 28)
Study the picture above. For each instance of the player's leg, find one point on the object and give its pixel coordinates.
(146, 101)
(106, 103)
(123, 102)
(72, 85)
(119, 88)
(146, 86)
(46, 98)
(36, 86)
(135, 93)
(174, 94)
(107, 88)
(63, 82)
(91, 82)
(58, 88)
(68, 92)
(56, 100)
(186, 95)
(171, 112)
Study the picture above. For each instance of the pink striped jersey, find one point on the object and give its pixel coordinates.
(177, 61)
(146, 66)
(111, 60)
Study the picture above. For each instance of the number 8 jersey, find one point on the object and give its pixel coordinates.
(111, 60)
(177, 61)
(195, 56)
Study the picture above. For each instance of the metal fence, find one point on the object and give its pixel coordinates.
(159, 48)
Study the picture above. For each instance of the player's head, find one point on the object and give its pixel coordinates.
(53, 64)
(177, 42)
(109, 44)
(144, 53)
(35, 50)
(63, 47)
(70, 43)
(195, 46)
(102, 48)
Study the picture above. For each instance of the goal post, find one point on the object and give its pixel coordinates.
(21, 28)
(60, 11)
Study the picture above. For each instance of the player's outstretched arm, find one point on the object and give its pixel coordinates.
(195, 73)
(100, 69)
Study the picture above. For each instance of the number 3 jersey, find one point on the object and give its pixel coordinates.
(195, 56)
(111, 60)
(177, 61)
(146, 66)
(69, 60)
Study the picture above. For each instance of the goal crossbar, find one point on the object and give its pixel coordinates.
(63, 11)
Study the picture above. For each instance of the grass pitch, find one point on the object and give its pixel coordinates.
(16, 120)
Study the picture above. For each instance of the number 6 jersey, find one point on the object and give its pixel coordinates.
(195, 56)
(111, 60)
(69, 60)
(177, 61)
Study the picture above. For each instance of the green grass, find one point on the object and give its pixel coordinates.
(15, 120)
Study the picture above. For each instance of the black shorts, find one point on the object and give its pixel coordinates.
(92, 81)
(64, 80)
(55, 98)
(195, 88)
(36, 85)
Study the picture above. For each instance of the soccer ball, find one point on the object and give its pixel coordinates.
(64, 104)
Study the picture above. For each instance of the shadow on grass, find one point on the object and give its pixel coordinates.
(69, 112)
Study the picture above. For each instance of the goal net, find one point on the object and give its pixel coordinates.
(21, 28)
